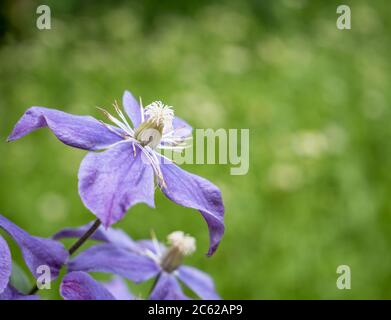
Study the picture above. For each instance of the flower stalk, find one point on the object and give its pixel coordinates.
(84, 237)
(76, 245)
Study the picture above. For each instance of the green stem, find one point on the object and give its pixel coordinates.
(76, 245)
(155, 283)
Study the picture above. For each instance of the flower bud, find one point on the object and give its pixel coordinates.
(159, 118)
(180, 245)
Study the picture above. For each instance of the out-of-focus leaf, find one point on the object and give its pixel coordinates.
(19, 279)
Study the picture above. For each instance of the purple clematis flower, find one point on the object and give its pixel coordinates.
(36, 252)
(112, 181)
(142, 260)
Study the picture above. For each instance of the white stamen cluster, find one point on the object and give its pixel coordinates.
(184, 243)
(155, 114)
(170, 258)
(160, 114)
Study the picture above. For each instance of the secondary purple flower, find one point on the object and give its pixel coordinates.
(171, 269)
(36, 252)
(142, 260)
(112, 181)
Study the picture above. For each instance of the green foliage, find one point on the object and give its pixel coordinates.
(19, 279)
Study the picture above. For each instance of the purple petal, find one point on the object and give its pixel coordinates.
(167, 288)
(151, 246)
(132, 108)
(119, 289)
(198, 281)
(36, 251)
(111, 235)
(112, 181)
(113, 259)
(198, 193)
(5, 264)
(10, 293)
(82, 132)
(181, 127)
(81, 286)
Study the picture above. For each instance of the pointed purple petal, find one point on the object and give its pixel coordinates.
(198, 193)
(132, 108)
(83, 132)
(5, 264)
(112, 235)
(181, 127)
(167, 288)
(10, 293)
(198, 281)
(112, 181)
(119, 289)
(113, 259)
(36, 251)
(81, 286)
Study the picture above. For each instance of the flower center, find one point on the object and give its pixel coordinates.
(180, 245)
(160, 114)
(159, 118)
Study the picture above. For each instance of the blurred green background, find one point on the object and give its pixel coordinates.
(316, 100)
